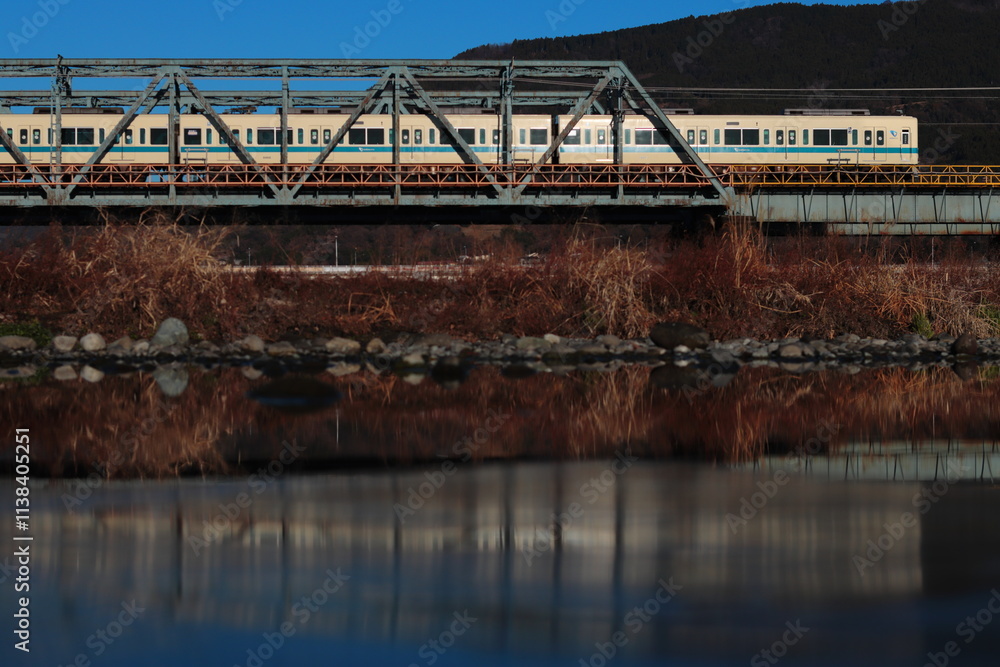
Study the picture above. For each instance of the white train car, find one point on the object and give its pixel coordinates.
(723, 140)
(747, 140)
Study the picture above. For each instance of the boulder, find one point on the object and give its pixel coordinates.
(64, 344)
(281, 349)
(171, 332)
(669, 335)
(965, 344)
(376, 346)
(92, 342)
(251, 343)
(18, 343)
(344, 346)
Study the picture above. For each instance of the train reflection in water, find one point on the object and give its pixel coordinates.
(550, 559)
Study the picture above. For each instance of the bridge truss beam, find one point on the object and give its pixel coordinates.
(401, 87)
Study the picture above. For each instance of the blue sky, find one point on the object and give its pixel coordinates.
(314, 28)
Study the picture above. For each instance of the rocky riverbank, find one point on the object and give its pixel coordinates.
(684, 355)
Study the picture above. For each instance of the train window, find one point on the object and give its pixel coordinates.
(192, 136)
(628, 136)
(717, 137)
(540, 137)
(496, 137)
(68, 135)
(659, 138)
(302, 137)
(85, 136)
(468, 135)
(868, 137)
(314, 137)
(805, 137)
(267, 136)
(356, 137)
(128, 137)
(751, 137)
(208, 137)
(690, 137)
(854, 137)
(158, 136)
(602, 137)
(10, 133)
(573, 138)
(906, 137)
(779, 137)
(524, 137)
(405, 137)
(142, 135)
(703, 137)
(838, 137)
(418, 137)
(482, 136)
(430, 136)
(376, 136)
(24, 137)
(327, 136)
(100, 136)
(249, 135)
(644, 137)
(880, 138)
(587, 139)
(791, 137)
(36, 136)
(767, 137)
(734, 137)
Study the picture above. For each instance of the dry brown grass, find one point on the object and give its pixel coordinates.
(126, 278)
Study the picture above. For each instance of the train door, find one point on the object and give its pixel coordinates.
(702, 146)
(786, 140)
(881, 153)
(411, 143)
(319, 137)
(605, 146)
(29, 140)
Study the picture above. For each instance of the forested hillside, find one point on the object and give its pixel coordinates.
(929, 44)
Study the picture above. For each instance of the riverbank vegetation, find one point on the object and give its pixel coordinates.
(123, 279)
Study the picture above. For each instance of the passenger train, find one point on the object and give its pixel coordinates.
(808, 138)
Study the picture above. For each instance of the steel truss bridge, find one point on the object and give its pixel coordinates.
(850, 199)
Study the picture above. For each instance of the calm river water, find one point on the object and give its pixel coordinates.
(211, 518)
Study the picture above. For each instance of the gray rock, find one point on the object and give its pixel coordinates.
(171, 381)
(92, 342)
(965, 344)
(64, 344)
(252, 343)
(171, 332)
(18, 372)
(140, 347)
(796, 351)
(18, 343)
(592, 349)
(669, 335)
(64, 373)
(344, 346)
(91, 374)
(436, 340)
(552, 338)
(530, 343)
(723, 357)
(281, 349)
(376, 346)
(609, 340)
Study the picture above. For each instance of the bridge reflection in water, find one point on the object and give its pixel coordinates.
(485, 542)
